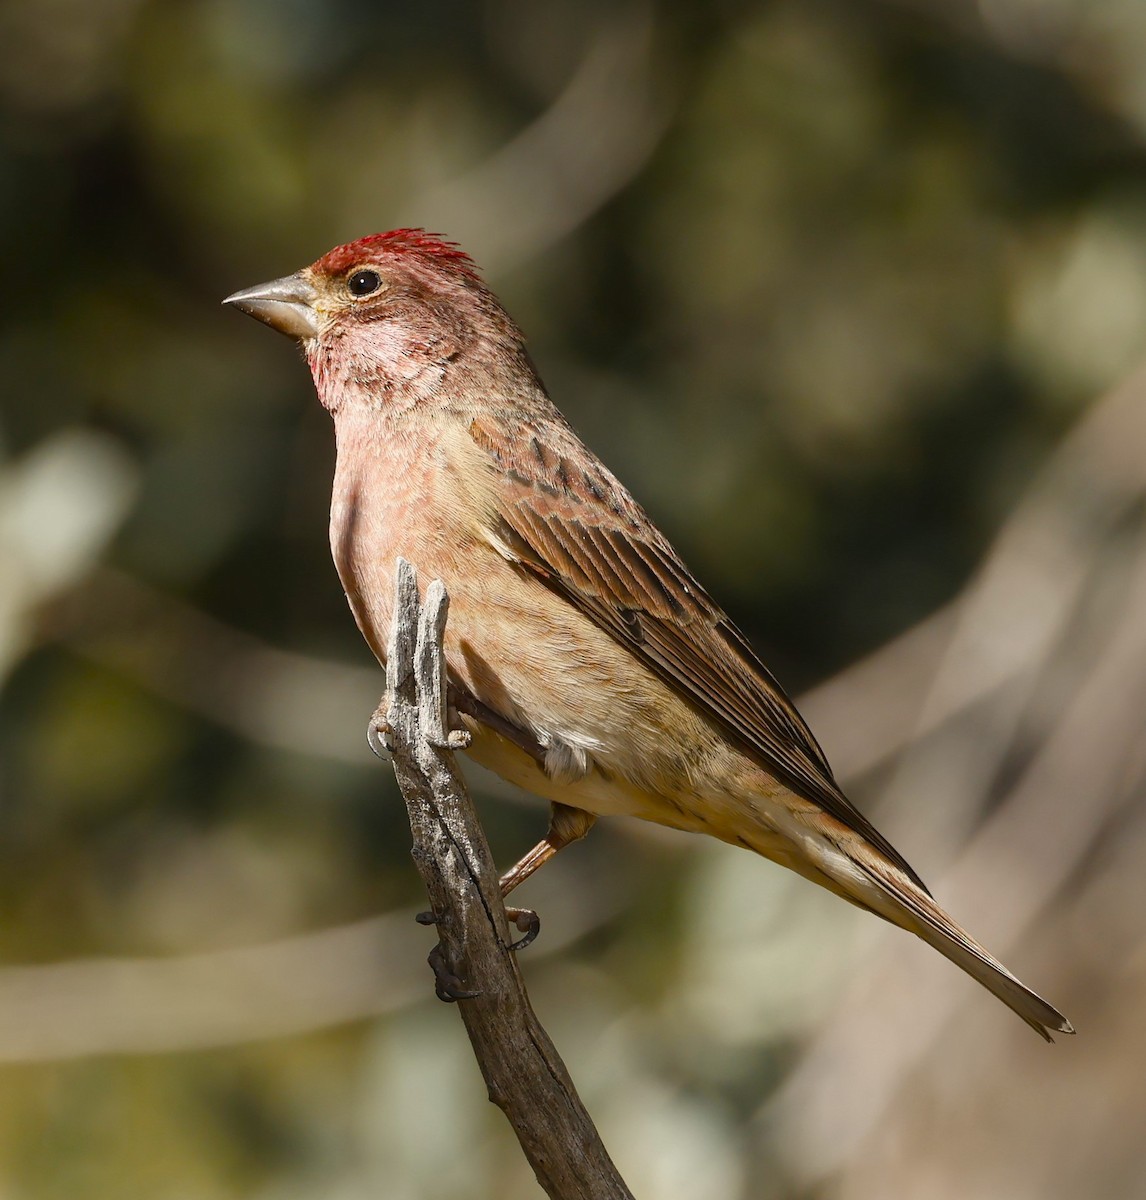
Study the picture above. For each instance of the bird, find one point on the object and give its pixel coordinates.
(586, 661)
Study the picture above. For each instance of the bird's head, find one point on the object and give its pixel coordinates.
(385, 314)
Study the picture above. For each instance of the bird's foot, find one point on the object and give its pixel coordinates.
(379, 736)
(454, 736)
(526, 922)
(448, 985)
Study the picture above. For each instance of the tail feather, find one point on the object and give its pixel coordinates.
(806, 840)
(915, 910)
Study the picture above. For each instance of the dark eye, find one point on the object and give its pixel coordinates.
(364, 283)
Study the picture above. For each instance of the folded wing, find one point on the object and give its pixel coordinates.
(571, 523)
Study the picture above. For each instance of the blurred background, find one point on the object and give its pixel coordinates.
(853, 295)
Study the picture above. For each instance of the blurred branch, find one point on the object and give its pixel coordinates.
(223, 997)
(1008, 620)
(272, 697)
(1057, 36)
(281, 988)
(567, 164)
(523, 1071)
(1054, 601)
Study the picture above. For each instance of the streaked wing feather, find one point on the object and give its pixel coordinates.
(591, 543)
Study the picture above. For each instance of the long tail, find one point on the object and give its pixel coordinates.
(853, 868)
(797, 834)
(899, 900)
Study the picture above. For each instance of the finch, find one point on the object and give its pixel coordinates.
(588, 664)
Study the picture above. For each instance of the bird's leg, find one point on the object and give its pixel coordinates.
(566, 825)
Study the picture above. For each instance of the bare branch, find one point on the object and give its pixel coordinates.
(523, 1072)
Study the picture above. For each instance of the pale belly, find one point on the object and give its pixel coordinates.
(545, 668)
(541, 665)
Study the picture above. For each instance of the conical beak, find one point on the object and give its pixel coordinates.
(283, 304)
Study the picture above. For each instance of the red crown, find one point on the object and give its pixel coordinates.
(378, 246)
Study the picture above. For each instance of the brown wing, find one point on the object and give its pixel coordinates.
(574, 525)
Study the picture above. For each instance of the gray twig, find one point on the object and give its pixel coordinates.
(473, 962)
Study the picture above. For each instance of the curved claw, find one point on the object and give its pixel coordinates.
(527, 923)
(378, 738)
(447, 986)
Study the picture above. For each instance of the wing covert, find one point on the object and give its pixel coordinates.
(579, 531)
